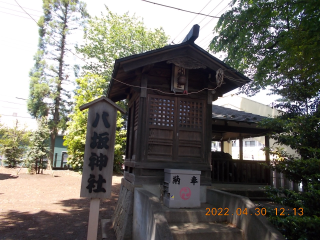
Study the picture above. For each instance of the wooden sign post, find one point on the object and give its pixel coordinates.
(98, 157)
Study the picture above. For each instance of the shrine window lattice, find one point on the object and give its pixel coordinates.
(190, 114)
(161, 112)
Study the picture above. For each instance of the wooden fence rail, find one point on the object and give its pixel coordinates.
(240, 171)
(248, 172)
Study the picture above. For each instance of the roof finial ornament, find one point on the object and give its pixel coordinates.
(193, 34)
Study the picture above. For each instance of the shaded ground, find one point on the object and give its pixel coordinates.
(47, 207)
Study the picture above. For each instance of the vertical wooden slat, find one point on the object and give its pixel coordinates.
(228, 173)
(141, 141)
(260, 173)
(208, 126)
(251, 173)
(241, 157)
(241, 148)
(218, 171)
(232, 167)
(242, 168)
(212, 170)
(267, 144)
(223, 173)
(247, 171)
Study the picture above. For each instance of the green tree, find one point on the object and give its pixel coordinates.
(49, 95)
(120, 144)
(13, 144)
(75, 140)
(114, 36)
(39, 146)
(107, 38)
(276, 43)
(39, 88)
(1, 128)
(89, 87)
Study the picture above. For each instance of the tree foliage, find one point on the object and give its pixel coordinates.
(106, 38)
(39, 146)
(114, 36)
(13, 144)
(276, 43)
(89, 87)
(49, 95)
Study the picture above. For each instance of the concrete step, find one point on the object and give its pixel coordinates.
(258, 195)
(201, 231)
(253, 192)
(193, 215)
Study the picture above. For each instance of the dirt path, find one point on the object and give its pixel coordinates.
(46, 207)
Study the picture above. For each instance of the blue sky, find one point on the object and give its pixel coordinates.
(19, 38)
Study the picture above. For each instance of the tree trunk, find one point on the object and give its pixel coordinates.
(41, 164)
(57, 100)
(52, 143)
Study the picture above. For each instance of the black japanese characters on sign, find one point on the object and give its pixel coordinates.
(92, 181)
(104, 119)
(176, 180)
(98, 161)
(98, 141)
(194, 180)
(99, 148)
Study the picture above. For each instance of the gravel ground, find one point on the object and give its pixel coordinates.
(46, 206)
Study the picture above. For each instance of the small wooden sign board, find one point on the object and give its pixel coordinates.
(98, 156)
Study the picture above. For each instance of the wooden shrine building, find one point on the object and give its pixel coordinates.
(227, 125)
(170, 92)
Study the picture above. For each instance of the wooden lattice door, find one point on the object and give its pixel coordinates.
(175, 129)
(161, 120)
(190, 129)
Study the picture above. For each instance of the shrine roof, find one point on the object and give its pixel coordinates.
(124, 68)
(230, 124)
(228, 114)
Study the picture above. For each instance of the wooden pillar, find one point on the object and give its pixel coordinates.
(269, 176)
(267, 145)
(241, 158)
(241, 147)
(208, 134)
(222, 147)
(140, 145)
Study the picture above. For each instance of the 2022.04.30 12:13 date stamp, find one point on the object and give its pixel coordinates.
(257, 212)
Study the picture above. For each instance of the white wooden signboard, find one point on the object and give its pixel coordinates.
(98, 156)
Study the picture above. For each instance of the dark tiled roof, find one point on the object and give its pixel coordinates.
(239, 77)
(170, 47)
(229, 114)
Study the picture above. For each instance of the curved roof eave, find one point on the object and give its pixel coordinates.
(168, 52)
